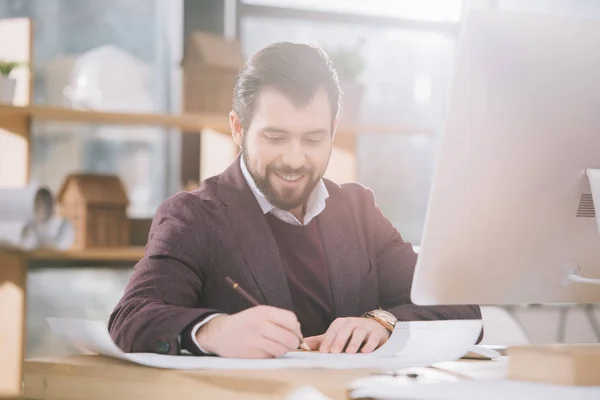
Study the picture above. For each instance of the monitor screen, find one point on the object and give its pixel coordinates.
(511, 212)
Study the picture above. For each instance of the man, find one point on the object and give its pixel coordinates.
(321, 257)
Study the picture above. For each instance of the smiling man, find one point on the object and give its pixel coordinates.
(322, 258)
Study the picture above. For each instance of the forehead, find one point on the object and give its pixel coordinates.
(275, 109)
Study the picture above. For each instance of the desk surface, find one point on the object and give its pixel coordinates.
(99, 377)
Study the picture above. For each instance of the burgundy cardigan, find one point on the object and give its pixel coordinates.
(198, 238)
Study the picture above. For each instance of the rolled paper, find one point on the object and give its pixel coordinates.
(57, 233)
(18, 234)
(27, 220)
(29, 203)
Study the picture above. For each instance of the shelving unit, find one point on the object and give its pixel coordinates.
(16, 121)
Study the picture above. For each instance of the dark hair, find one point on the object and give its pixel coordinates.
(295, 70)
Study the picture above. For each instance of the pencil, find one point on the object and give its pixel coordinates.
(254, 302)
(241, 291)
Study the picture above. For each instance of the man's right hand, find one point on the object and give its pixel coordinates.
(258, 332)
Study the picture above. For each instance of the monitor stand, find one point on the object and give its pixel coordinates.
(594, 179)
(587, 207)
(563, 364)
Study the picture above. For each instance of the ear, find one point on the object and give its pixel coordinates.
(236, 128)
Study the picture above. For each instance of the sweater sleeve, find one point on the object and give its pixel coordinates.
(160, 301)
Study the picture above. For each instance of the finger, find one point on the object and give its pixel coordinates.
(358, 337)
(285, 319)
(314, 342)
(271, 348)
(342, 338)
(280, 335)
(371, 344)
(330, 335)
(253, 347)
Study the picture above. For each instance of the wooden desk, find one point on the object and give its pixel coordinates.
(99, 377)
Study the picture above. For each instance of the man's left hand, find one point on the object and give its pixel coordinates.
(350, 335)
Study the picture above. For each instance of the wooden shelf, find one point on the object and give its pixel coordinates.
(191, 122)
(16, 119)
(184, 122)
(117, 254)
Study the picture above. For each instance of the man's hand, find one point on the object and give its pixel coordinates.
(258, 332)
(348, 335)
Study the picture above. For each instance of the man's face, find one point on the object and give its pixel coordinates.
(287, 148)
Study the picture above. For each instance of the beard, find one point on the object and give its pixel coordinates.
(286, 199)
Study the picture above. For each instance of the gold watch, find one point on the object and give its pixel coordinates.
(387, 319)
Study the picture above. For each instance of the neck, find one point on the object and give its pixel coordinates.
(299, 212)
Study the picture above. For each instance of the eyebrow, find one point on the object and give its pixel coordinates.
(280, 130)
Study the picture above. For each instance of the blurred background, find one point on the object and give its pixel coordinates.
(395, 59)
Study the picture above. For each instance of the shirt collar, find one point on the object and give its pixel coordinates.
(314, 206)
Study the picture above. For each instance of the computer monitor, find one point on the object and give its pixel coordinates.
(510, 213)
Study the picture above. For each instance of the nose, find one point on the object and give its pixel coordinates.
(294, 156)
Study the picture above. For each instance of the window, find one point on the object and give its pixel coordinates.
(128, 70)
(573, 8)
(406, 80)
(423, 10)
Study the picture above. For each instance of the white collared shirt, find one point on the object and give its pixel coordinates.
(314, 206)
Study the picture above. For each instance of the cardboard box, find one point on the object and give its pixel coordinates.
(561, 364)
(210, 66)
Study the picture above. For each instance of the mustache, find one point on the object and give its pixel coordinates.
(283, 170)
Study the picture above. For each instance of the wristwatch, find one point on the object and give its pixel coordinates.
(387, 319)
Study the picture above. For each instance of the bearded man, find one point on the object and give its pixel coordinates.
(324, 261)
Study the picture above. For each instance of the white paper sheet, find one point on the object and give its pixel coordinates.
(472, 390)
(56, 233)
(412, 344)
(17, 234)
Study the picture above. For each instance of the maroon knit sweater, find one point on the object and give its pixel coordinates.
(305, 264)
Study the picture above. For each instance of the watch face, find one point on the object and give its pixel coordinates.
(389, 317)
